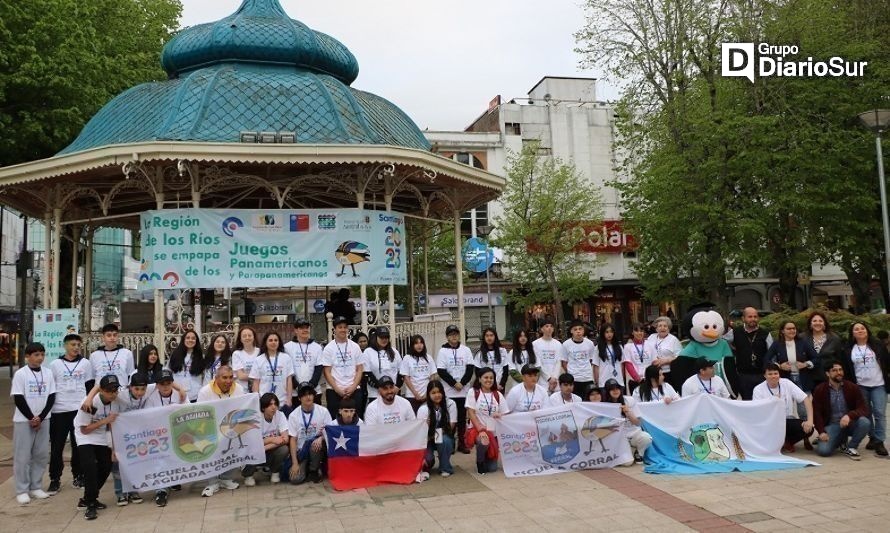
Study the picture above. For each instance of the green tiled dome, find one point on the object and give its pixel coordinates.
(256, 70)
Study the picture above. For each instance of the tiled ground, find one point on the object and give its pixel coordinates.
(841, 495)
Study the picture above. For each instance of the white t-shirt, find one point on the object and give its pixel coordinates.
(242, 360)
(865, 366)
(100, 436)
(273, 373)
(275, 427)
(377, 362)
(206, 394)
(556, 399)
(70, 378)
(549, 355)
(184, 378)
(696, 385)
(489, 361)
(211, 369)
(127, 402)
(153, 398)
(304, 358)
(519, 400)
(787, 393)
(485, 406)
(641, 355)
(344, 360)
(669, 392)
(35, 386)
(455, 361)
(118, 361)
(302, 426)
(423, 412)
(667, 347)
(578, 357)
(378, 412)
(610, 369)
(419, 370)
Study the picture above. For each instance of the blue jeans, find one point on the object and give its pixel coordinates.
(837, 435)
(445, 449)
(876, 398)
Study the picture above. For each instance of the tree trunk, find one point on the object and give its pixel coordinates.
(859, 283)
(557, 302)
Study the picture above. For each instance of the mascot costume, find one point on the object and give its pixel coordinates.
(705, 327)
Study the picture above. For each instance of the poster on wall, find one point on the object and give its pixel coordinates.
(50, 327)
(213, 248)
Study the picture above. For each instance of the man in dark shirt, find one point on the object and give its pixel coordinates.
(839, 413)
(750, 343)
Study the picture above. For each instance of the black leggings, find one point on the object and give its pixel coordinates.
(96, 463)
(61, 426)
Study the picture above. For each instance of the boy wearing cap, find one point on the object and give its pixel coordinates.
(529, 396)
(305, 426)
(343, 367)
(163, 394)
(549, 352)
(133, 399)
(705, 381)
(34, 392)
(306, 357)
(91, 430)
(639, 440)
(73, 375)
(388, 408)
(455, 368)
(565, 393)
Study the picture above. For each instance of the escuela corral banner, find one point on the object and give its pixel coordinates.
(176, 444)
(213, 248)
(703, 434)
(571, 437)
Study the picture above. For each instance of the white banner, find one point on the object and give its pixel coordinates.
(577, 436)
(176, 444)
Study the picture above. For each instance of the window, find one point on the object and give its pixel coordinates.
(513, 128)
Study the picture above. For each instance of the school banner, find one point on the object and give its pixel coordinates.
(212, 248)
(50, 327)
(577, 436)
(177, 444)
(703, 434)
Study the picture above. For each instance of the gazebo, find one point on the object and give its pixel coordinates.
(257, 112)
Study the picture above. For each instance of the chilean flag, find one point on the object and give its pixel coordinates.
(375, 454)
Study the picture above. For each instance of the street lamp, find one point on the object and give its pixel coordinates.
(878, 120)
(485, 231)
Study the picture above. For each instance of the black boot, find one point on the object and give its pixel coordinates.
(480, 467)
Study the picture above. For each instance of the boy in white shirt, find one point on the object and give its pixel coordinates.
(305, 426)
(775, 387)
(112, 357)
(33, 392)
(565, 393)
(528, 396)
(306, 357)
(705, 382)
(388, 408)
(455, 369)
(94, 444)
(275, 440)
(163, 394)
(577, 359)
(343, 367)
(549, 353)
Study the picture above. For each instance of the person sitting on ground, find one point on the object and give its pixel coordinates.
(705, 382)
(839, 413)
(653, 388)
(565, 394)
(388, 408)
(595, 395)
(347, 415)
(528, 396)
(786, 391)
(440, 414)
(305, 427)
(638, 439)
(484, 405)
(275, 440)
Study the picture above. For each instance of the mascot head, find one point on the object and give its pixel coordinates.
(703, 323)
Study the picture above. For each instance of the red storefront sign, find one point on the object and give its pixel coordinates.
(607, 237)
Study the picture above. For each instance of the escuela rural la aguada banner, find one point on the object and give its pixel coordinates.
(203, 248)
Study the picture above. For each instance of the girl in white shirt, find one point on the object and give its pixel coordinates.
(217, 354)
(381, 359)
(272, 371)
(418, 369)
(440, 413)
(637, 357)
(492, 355)
(246, 352)
(653, 388)
(610, 360)
(484, 405)
(523, 352)
(187, 364)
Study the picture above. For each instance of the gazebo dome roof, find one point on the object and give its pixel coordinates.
(256, 70)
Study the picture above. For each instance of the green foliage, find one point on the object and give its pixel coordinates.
(61, 60)
(543, 203)
(840, 321)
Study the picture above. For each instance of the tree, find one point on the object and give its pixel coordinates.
(61, 60)
(544, 202)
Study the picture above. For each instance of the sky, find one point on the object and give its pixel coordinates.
(441, 62)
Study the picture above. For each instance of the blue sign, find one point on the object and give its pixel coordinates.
(478, 257)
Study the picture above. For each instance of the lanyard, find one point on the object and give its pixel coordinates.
(39, 381)
(274, 369)
(454, 354)
(613, 358)
(214, 365)
(141, 400)
(654, 395)
(709, 388)
(303, 354)
(169, 399)
(863, 353)
(639, 349)
(489, 400)
(523, 356)
(439, 415)
(111, 364)
(779, 394)
(564, 400)
(529, 399)
(307, 423)
(380, 361)
(344, 354)
(69, 372)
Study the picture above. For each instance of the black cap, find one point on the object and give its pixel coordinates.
(382, 332)
(704, 363)
(139, 379)
(452, 329)
(385, 381)
(302, 323)
(528, 370)
(166, 375)
(611, 383)
(109, 383)
(340, 320)
(305, 388)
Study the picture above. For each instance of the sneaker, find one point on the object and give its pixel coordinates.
(445, 474)
(480, 468)
(880, 449)
(228, 484)
(176, 488)
(134, 497)
(161, 499)
(871, 444)
(100, 505)
(274, 478)
(39, 494)
(54, 487)
(249, 481)
(81, 504)
(852, 453)
(91, 513)
(315, 476)
(122, 500)
(637, 458)
(23, 498)
(77, 483)
(210, 490)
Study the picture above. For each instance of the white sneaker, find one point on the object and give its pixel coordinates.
(39, 494)
(228, 484)
(445, 474)
(249, 481)
(23, 498)
(275, 478)
(210, 490)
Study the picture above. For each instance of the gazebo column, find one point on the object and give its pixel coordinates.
(363, 289)
(426, 267)
(391, 289)
(75, 238)
(57, 252)
(47, 258)
(459, 272)
(159, 328)
(196, 293)
(88, 281)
